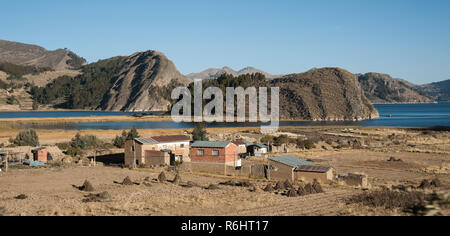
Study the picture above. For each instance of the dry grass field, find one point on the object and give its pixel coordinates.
(53, 191)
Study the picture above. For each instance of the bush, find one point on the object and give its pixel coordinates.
(27, 138)
(11, 100)
(305, 144)
(85, 142)
(200, 133)
(73, 152)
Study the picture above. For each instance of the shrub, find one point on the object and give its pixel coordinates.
(11, 100)
(200, 133)
(27, 138)
(85, 142)
(305, 144)
(73, 152)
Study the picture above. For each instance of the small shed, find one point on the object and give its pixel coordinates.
(40, 154)
(310, 173)
(282, 167)
(257, 150)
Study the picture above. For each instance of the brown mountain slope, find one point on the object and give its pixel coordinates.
(144, 83)
(32, 55)
(323, 94)
(439, 90)
(382, 88)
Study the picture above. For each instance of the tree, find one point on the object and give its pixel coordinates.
(132, 134)
(78, 142)
(27, 138)
(119, 141)
(200, 133)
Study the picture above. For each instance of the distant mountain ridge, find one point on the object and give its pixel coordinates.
(382, 88)
(32, 55)
(438, 90)
(214, 73)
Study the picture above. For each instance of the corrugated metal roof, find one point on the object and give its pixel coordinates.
(146, 141)
(315, 169)
(171, 138)
(291, 161)
(207, 144)
(2, 152)
(259, 145)
(247, 142)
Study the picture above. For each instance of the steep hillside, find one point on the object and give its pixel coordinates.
(32, 55)
(144, 83)
(439, 90)
(214, 73)
(141, 82)
(382, 88)
(323, 94)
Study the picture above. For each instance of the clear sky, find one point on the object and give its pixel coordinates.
(408, 39)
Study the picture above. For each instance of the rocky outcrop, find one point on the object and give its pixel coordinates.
(382, 89)
(327, 94)
(32, 55)
(144, 83)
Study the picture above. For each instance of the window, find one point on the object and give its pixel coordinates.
(182, 146)
(200, 152)
(215, 152)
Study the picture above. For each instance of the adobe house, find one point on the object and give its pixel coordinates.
(40, 154)
(214, 157)
(257, 150)
(175, 146)
(242, 146)
(310, 173)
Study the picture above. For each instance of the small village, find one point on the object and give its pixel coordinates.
(258, 170)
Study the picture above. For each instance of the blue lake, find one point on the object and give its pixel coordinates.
(397, 115)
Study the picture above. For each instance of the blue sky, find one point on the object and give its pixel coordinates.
(405, 38)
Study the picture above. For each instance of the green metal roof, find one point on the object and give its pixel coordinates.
(291, 161)
(208, 144)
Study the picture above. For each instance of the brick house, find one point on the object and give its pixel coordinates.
(214, 157)
(40, 154)
(158, 150)
(293, 168)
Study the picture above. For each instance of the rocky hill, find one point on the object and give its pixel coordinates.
(32, 55)
(382, 88)
(144, 83)
(214, 73)
(140, 82)
(323, 94)
(440, 91)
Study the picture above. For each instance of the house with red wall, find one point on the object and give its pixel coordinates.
(214, 156)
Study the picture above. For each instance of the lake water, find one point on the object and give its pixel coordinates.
(397, 115)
